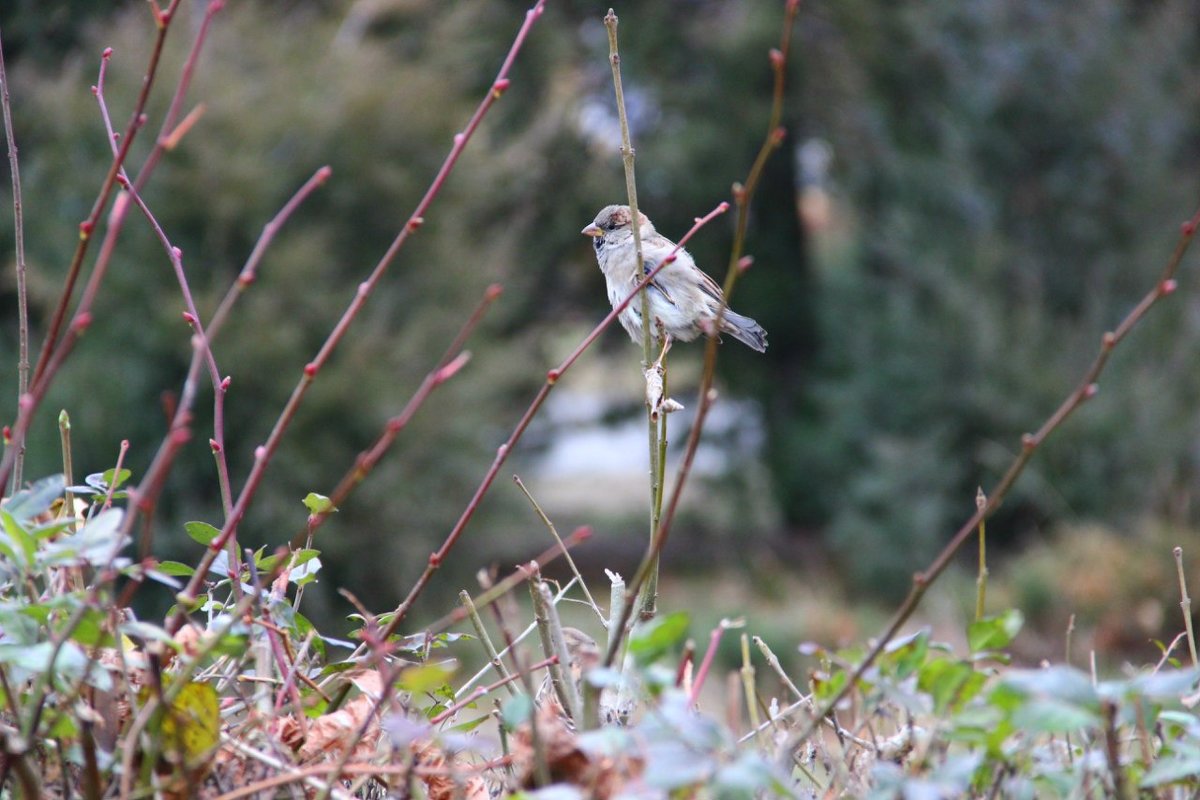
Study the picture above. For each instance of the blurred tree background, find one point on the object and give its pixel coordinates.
(982, 190)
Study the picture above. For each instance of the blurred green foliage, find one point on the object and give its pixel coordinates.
(1006, 180)
(1016, 173)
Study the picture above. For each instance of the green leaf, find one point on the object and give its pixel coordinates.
(1181, 766)
(515, 710)
(175, 569)
(17, 543)
(1166, 684)
(906, 654)
(470, 725)
(1060, 681)
(950, 682)
(146, 632)
(97, 543)
(1051, 715)
(113, 478)
(994, 632)
(318, 504)
(652, 641)
(423, 678)
(302, 627)
(744, 779)
(90, 630)
(826, 687)
(202, 532)
(37, 499)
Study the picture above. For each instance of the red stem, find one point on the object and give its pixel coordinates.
(263, 453)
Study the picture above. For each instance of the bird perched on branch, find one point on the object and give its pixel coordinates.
(683, 300)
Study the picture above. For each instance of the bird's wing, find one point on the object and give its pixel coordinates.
(710, 287)
(656, 284)
(653, 252)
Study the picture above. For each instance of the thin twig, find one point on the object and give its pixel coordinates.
(650, 596)
(481, 631)
(554, 532)
(264, 452)
(981, 577)
(1185, 604)
(1083, 391)
(19, 236)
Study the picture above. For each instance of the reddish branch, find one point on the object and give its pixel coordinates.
(1083, 391)
(264, 452)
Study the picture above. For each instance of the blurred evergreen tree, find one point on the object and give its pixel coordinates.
(1016, 172)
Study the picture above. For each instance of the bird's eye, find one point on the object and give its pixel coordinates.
(598, 242)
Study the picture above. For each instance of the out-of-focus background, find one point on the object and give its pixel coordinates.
(970, 193)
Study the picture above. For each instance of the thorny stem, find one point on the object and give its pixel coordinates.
(650, 598)
(742, 195)
(19, 236)
(263, 453)
(1083, 391)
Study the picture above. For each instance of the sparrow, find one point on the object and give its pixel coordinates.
(683, 300)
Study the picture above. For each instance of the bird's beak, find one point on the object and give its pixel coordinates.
(592, 230)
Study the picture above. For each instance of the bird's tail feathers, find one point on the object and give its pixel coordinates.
(745, 330)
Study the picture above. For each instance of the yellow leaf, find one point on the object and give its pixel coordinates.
(191, 725)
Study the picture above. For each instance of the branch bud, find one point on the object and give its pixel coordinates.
(744, 263)
(310, 370)
(214, 445)
(493, 292)
(225, 383)
(82, 322)
(499, 87)
(1168, 286)
(447, 372)
(260, 453)
(776, 58)
(1187, 228)
(108, 51)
